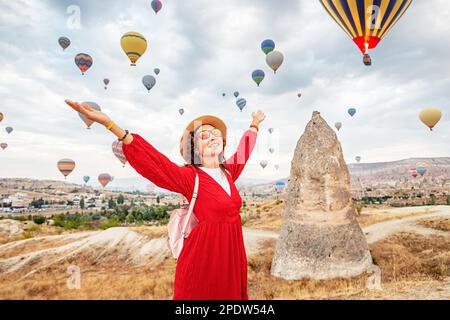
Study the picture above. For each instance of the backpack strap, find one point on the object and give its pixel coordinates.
(191, 205)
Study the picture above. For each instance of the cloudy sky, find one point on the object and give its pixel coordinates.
(204, 48)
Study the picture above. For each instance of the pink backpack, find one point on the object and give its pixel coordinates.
(181, 223)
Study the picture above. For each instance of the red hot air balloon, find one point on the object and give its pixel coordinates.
(104, 179)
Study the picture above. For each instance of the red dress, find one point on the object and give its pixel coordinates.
(213, 263)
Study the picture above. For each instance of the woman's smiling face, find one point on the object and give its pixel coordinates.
(208, 140)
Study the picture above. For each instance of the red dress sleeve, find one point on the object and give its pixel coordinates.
(156, 167)
(236, 163)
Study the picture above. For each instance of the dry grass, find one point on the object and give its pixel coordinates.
(436, 223)
(408, 256)
(411, 266)
(151, 231)
(113, 281)
(376, 216)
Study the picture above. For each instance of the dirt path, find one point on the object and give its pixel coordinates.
(384, 229)
(373, 232)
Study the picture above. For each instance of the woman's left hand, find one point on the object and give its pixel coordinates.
(258, 117)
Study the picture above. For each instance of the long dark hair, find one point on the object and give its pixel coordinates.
(195, 160)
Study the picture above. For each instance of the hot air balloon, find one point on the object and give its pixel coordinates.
(181, 111)
(338, 125)
(1, 117)
(64, 42)
(263, 163)
(299, 94)
(236, 94)
(258, 76)
(271, 150)
(366, 22)
(267, 46)
(86, 179)
(156, 6)
(413, 172)
(279, 185)
(156, 71)
(223, 94)
(430, 117)
(66, 166)
(421, 168)
(277, 166)
(241, 102)
(358, 158)
(9, 129)
(149, 82)
(104, 179)
(270, 130)
(134, 45)
(88, 122)
(3, 145)
(351, 111)
(83, 62)
(274, 59)
(118, 152)
(106, 82)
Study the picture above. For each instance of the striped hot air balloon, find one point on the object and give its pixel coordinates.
(118, 152)
(83, 62)
(104, 179)
(134, 45)
(366, 22)
(241, 102)
(64, 42)
(66, 166)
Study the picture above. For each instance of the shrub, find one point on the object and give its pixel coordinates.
(38, 219)
(110, 223)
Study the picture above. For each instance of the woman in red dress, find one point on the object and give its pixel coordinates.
(213, 263)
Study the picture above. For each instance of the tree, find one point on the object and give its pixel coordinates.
(111, 203)
(120, 199)
(38, 219)
(82, 203)
(157, 199)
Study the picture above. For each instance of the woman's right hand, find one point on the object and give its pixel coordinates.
(89, 113)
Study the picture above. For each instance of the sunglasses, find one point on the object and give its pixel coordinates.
(205, 134)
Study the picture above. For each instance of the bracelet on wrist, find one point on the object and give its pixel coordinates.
(109, 125)
(254, 126)
(125, 135)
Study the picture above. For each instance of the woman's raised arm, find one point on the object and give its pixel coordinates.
(236, 163)
(143, 157)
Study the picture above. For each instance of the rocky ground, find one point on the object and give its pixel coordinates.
(410, 246)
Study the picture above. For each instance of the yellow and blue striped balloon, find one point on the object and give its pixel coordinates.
(366, 22)
(134, 45)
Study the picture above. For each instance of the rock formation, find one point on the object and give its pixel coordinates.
(320, 237)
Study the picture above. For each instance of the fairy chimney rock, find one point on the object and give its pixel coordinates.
(320, 237)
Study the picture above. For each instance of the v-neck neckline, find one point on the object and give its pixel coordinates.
(228, 179)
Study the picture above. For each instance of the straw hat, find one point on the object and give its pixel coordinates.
(185, 144)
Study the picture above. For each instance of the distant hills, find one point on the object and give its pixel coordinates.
(394, 174)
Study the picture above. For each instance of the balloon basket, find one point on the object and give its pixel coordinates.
(133, 64)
